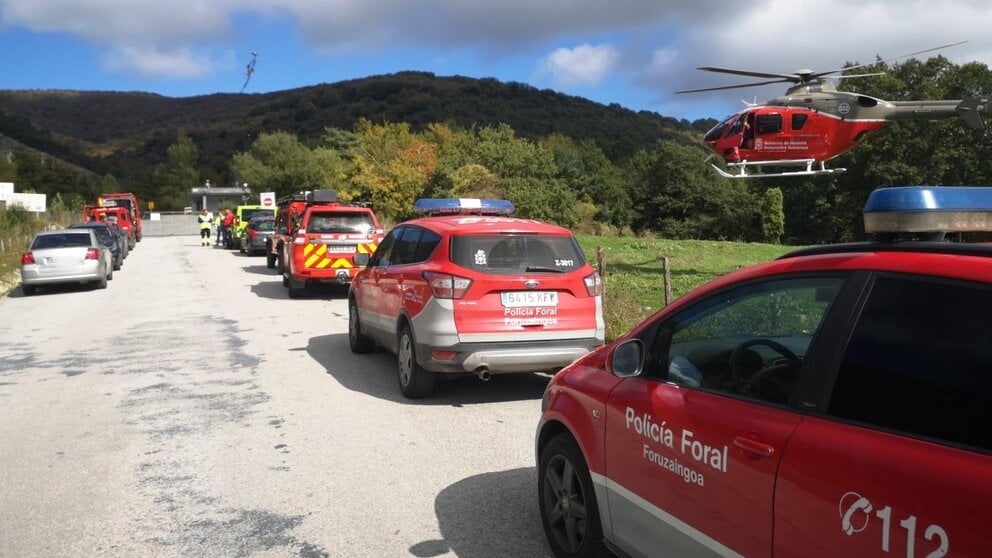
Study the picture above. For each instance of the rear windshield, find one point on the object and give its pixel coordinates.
(264, 225)
(247, 214)
(63, 240)
(514, 254)
(340, 223)
(103, 233)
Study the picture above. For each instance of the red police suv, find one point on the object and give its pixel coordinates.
(834, 402)
(468, 290)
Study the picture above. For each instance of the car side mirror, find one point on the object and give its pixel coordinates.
(627, 359)
(361, 260)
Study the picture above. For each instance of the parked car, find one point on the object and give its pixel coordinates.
(65, 256)
(834, 402)
(464, 290)
(255, 236)
(121, 236)
(107, 238)
(243, 214)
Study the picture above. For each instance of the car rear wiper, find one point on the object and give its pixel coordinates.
(544, 269)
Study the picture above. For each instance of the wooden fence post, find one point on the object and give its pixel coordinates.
(668, 280)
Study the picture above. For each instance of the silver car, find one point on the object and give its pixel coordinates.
(65, 256)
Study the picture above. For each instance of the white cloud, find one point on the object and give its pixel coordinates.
(582, 65)
(155, 63)
(664, 40)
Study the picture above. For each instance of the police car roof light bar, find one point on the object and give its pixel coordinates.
(462, 206)
(914, 209)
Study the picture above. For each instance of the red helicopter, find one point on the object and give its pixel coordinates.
(814, 122)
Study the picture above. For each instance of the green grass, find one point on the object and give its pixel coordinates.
(635, 286)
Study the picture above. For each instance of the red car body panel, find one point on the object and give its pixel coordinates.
(740, 477)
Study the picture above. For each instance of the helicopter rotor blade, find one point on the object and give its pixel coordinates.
(858, 75)
(738, 86)
(783, 77)
(821, 74)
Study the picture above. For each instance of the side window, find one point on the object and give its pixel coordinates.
(428, 242)
(919, 362)
(405, 251)
(768, 124)
(799, 120)
(381, 256)
(747, 342)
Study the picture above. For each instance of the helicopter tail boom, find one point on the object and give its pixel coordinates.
(970, 110)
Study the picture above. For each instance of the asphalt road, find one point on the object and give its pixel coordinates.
(193, 409)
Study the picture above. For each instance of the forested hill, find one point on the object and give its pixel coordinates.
(116, 131)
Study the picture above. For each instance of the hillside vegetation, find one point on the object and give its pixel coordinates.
(391, 139)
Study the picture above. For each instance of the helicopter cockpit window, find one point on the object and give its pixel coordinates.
(738, 125)
(798, 121)
(768, 124)
(716, 132)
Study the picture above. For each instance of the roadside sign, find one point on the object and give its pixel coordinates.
(268, 199)
(31, 202)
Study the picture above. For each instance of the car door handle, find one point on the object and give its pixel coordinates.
(752, 446)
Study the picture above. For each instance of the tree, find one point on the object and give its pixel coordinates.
(681, 198)
(393, 167)
(772, 216)
(526, 172)
(180, 174)
(278, 162)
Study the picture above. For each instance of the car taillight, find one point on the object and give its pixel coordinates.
(27, 258)
(594, 284)
(252, 233)
(444, 285)
(93, 254)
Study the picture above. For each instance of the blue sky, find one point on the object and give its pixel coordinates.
(632, 52)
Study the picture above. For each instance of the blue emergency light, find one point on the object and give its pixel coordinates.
(462, 206)
(913, 209)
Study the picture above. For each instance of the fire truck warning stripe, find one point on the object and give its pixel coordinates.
(342, 262)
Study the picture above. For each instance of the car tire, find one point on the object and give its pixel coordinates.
(270, 261)
(285, 280)
(280, 265)
(567, 500)
(101, 283)
(28, 290)
(358, 341)
(295, 292)
(110, 274)
(415, 382)
(117, 264)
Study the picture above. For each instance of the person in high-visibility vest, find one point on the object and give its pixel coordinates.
(204, 220)
(219, 226)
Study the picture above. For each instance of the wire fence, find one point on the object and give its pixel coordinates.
(169, 224)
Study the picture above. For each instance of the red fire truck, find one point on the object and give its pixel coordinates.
(130, 203)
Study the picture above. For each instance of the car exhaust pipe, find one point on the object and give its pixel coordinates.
(483, 373)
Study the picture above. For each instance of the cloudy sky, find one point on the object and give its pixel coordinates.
(632, 52)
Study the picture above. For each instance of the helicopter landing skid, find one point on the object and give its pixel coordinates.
(741, 168)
